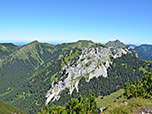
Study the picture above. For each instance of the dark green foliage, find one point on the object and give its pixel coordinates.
(91, 104)
(74, 106)
(147, 84)
(141, 88)
(64, 98)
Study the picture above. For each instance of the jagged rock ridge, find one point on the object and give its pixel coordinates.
(93, 62)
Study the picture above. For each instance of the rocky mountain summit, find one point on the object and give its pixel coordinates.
(115, 44)
(92, 62)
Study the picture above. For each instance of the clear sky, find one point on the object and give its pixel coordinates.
(70, 20)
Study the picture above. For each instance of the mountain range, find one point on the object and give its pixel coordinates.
(39, 74)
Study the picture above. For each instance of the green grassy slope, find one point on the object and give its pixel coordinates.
(137, 98)
(115, 97)
(8, 109)
(115, 105)
(132, 107)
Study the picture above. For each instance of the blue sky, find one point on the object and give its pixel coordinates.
(70, 20)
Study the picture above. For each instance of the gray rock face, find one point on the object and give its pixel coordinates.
(93, 62)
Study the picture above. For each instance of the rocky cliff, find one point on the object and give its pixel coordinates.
(92, 62)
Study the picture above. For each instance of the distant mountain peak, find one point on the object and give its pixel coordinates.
(31, 44)
(34, 42)
(117, 40)
(7, 44)
(81, 44)
(115, 44)
(84, 41)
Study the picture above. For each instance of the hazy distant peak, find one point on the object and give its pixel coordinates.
(8, 44)
(115, 44)
(145, 45)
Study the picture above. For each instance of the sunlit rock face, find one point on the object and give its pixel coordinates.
(93, 62)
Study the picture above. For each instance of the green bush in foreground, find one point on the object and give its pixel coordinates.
(139, 95)
(141, 88)
(138, 92)
(82, 105)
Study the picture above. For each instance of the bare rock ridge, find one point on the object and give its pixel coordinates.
(93, 62)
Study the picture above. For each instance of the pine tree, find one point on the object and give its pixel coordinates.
(82, 105)
(141, 88)
(147, 85)
(80, 99)
(127, 92)
(92, 106)
(71, 106)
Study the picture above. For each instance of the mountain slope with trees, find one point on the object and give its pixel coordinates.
(144, 52)
(6, 49)
(139, 98)
(21, 63)
(137, 103)
(33, 67)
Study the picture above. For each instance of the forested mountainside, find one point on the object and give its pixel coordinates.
(37, 74)
(21, 63)
(6, 49)
(134, 99)
(8, 109)
(144, 52)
